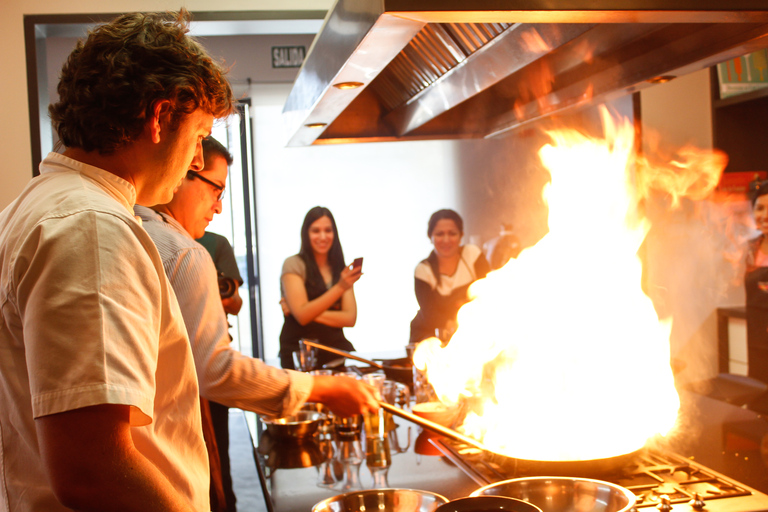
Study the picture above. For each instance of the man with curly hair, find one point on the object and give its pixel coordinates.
(98, 396)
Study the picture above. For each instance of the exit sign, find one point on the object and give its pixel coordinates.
(288, 56)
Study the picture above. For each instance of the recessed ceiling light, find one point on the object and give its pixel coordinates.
(348, 85)
(661, 79)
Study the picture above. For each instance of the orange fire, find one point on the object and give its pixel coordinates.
(562, 349)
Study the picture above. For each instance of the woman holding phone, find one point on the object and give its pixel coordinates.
(317, 290)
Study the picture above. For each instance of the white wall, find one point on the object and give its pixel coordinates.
(381, 196)
(14, 132)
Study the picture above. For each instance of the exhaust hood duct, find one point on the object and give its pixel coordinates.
(448, 69)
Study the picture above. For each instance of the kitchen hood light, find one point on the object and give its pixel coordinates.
(661, 79)
(348, 85)
(316, 125)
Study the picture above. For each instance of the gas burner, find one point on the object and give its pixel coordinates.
(658, 479)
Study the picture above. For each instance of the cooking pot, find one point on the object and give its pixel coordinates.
(302, 424)
(382, 500)
(560, 494)
(488, 504)
(399, 370)
(290, 453)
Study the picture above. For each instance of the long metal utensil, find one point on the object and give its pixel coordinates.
(431, 425)
(343, 353)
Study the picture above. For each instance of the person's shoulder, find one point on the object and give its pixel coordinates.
(471, 252)
(424, 272)
(294, 265)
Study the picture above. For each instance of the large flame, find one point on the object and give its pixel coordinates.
(561, 347)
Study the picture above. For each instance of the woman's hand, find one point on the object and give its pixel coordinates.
(349, 277)
(284, 306)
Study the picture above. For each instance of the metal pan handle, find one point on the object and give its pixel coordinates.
(343, 353)
(431, 425)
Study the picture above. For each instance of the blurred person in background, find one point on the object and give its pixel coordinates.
(317, 290)
(442, 280)
(500, 249)
(756, 285)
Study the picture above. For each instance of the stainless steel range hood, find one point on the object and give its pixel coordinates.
(388, 70)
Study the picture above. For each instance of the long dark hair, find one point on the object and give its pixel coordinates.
(335, 254)
(433, 220)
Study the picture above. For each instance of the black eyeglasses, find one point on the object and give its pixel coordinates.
(219, 188)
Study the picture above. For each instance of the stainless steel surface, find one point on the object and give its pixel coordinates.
(453, 69)
(561, 494)
(301, 424)
(382, 500)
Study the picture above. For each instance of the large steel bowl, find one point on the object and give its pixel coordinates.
(301, 424)
(382, 500)
(561, 494)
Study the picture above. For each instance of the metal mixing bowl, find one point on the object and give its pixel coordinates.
(382, 500)
(301, 424)
(561, 494)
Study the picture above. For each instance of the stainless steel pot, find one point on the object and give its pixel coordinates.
(561, 494)
(382, 500)
(301, 424)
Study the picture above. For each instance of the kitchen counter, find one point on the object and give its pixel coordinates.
(721, 436)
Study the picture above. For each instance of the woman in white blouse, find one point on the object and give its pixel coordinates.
(442, 280)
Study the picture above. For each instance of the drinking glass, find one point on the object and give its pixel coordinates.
(378, 458)
(397, 394)
(349, 455)
(307, 356)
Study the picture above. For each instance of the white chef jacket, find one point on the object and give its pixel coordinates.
(88, 317)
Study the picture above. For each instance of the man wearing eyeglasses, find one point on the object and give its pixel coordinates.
(224, 374)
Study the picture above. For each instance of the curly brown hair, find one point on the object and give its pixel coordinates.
(112, 81)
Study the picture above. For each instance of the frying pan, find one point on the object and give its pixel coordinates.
(524, 467)
(510, 465)
(399, 370)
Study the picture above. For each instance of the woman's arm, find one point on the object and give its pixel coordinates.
(305, 310)
(345, 317)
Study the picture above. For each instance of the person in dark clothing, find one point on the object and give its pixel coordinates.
(442, 280)
(317, 295)
(756, 285)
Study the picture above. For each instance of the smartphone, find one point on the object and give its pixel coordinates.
(358, 263)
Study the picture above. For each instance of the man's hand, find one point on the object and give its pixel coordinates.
(344, 396)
